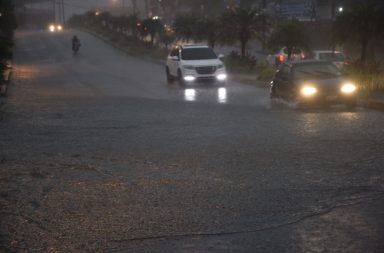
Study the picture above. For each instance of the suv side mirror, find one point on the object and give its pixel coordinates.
(175, 58)
(221, 56)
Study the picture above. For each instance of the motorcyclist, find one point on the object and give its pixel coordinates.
(75, 43)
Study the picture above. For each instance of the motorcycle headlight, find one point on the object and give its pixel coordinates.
(308, 90)
(348, 88)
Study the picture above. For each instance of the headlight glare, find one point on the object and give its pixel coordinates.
(189, 78)
(308, 91)
(221, 77)
(348, 88)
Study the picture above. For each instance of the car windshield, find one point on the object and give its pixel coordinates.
(315, 70)
(203, 53)
(331, 56)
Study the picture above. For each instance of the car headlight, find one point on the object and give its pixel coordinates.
(52, 28)
(221, 77)
(59, 27)
(308, 91)
(188, 67)
(348, 88)
(189, 78)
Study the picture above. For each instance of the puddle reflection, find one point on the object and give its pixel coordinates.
(221, 95)
(190, 95)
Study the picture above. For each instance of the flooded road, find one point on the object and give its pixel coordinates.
(99, 154)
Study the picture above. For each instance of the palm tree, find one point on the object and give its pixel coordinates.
(289, 34)
(184, 26)
(210, 30)
(243, 24)
(166, 37)
(133, 24)
(362, 23)
(151, 27)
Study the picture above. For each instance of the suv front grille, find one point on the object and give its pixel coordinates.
(206, 70)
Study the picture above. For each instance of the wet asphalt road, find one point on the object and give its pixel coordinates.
(99, 154)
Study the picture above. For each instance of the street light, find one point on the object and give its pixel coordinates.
(341, 9)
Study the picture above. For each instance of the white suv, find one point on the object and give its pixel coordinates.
(193, 63)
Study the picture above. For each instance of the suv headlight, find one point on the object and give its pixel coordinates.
(348, 88)
(308, 91)
(188, 67)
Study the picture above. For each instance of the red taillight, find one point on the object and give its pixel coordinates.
(281, 58)
(302, 56)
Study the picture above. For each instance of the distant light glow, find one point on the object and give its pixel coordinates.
(52, 28)
(341, 9)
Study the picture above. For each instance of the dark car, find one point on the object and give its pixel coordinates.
(309, 82)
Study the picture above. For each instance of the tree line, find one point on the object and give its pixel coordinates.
(360, 25)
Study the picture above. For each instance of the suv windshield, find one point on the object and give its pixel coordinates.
(203, 53)
(316, 70)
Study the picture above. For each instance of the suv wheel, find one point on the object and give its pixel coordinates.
(169, 76)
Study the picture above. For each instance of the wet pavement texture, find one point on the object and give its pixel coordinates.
(99, 154)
